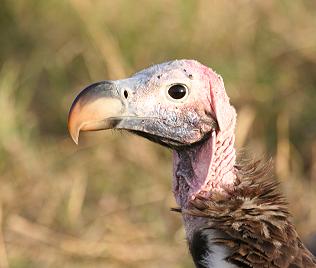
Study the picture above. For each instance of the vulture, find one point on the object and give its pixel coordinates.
(233, 212)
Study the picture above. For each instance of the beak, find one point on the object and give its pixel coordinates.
(97, 107)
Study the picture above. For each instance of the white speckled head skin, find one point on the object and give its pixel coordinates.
(183, 117)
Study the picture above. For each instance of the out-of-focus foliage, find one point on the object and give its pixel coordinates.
(106, 202)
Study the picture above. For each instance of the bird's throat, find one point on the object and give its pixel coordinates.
(205, 168)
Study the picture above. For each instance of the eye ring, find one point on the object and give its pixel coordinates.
(177, 92)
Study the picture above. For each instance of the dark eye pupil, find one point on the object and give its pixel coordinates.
(177, 91)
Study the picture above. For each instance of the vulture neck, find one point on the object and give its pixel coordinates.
(205, 168)
(239, 218)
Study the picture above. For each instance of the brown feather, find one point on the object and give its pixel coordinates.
(255, 219)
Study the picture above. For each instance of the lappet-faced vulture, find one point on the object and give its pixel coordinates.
(233, 212)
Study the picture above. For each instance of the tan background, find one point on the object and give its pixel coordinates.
(106, 202)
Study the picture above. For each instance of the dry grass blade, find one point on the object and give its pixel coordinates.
(283, 147)
(102, 39)
(246, 117)
(76, 198)
(3, 249)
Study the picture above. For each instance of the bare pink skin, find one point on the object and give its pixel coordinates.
(213, 165)
(209, 167)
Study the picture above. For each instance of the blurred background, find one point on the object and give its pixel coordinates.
(105, 203)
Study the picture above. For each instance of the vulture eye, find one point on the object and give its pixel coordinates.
(177, 91)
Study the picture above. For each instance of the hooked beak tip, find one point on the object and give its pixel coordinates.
(73, 130)
(75, 138)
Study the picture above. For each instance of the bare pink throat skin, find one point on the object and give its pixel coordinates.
(206, 168)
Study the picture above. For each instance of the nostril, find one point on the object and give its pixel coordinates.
(125, 94)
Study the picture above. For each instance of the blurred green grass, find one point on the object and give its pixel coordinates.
(106, 202)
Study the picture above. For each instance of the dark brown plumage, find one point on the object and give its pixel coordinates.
(254, 222)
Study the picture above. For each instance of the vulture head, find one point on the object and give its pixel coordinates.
(183, 105)
(179, 104)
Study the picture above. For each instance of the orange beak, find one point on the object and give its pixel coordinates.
(95, 108)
